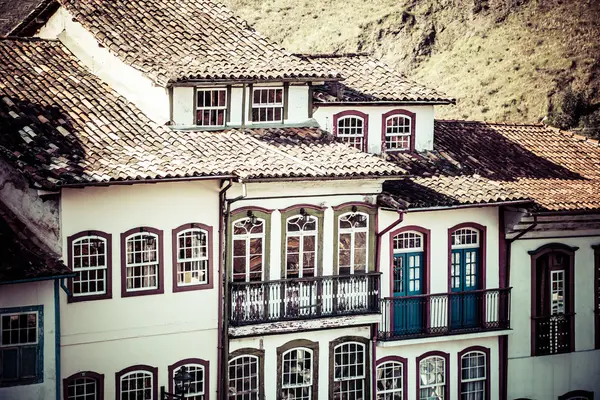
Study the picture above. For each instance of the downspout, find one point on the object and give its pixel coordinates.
(57, 337)
(383, 232)
(222, 336)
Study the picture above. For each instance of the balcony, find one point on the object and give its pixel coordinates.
(553, 334)
(303, 298)
(428, 315)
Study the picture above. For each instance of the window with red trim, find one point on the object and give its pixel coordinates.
(192, 257)
(141, 262)
(432, 376)
(391, 378)
(199, 385)
(89, 256)
(474, 373)
(398, 130)
(138, 382)
(552, 299)
(85, 385)
(352, 127)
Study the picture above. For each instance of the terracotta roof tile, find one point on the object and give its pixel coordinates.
(555, 169)
(62, 125)
(176, 40)
(369, 80)
(22, 255)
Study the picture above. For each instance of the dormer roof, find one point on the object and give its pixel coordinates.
(178, 40)
(367, 80)
(61, 125)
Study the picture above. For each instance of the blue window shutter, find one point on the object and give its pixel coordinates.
(9, 364)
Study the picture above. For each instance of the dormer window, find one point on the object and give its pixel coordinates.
(211, 107)
(267, 104)
(352, 127)
(398, 130)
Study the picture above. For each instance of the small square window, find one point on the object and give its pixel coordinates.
(211, 107)
(267, 104)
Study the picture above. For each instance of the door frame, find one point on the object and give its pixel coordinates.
(482, 252)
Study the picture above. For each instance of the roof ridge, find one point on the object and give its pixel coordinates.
(575, 136)
(332, 55)
(27, 39)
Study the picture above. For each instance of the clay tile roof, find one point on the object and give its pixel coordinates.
(22, 17)
(176, 40)
(22, 255)
(59, 125)
(369, 80)
(473, 161)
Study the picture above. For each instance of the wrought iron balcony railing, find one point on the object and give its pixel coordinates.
(303, 298)
(426, 315)
(553, 334)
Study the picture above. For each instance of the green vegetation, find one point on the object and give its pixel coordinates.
(504, 60)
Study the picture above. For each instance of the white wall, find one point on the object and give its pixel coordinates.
(34, 294)
(272, 342)
(127, 81)
(106, 336)
(413, 351)
(423, 127)
(438, 222)
(554, 375)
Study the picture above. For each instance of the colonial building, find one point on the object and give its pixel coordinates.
(286, 226)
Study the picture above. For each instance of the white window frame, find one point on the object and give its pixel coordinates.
(89, 269)
(394, 390)
(82, 381)
(254, 392)
(353, 231)
(398, 134)
(199, 394)
(443, 384)
(303, 385)
(357, 377)
(462, 233)
(141, 372)
(37, 328)
(472, 380)
(557, 305)
(148, 264)
(267, 104)
(301, 234)
(406, 237)
(246, 237)
(349, 138)
(198, 264)
(211, 108)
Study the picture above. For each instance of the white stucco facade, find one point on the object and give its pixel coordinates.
(15, 298)
(424, 117)
(551, 376)
(106, 336)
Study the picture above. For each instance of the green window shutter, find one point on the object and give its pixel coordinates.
(9, 365)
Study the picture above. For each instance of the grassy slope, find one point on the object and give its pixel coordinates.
(501, 63)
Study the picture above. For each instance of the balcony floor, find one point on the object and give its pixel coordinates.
(304, 325)
(443, 338)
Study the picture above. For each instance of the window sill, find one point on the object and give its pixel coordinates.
(80, 299)
(124, 293)
(189, 288)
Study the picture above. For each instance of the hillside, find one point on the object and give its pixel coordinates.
(504, 60)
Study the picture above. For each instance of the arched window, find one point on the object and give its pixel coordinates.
(433, 376)
(84, 386)
(297, 374)
(552, 273)
(350, 377)
(248, 249)
(90, 258)
(353, 242)
(246, 375)
(141, 262)
(391, 379)
(137, 383)
(192, 257)
(398, 130)
(198, 369)
(577, 395)
(474, 373)
(302, 232)
(408, 263)
(351, 127)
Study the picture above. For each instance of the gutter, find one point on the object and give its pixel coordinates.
(57, 338)
(223, 335)
(48, 278)
(478, 205)
(154, 180)
(380, 103)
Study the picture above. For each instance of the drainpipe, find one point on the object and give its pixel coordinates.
(222, 333)
(57, 337)
(383, 232)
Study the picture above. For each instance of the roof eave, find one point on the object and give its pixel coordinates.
(196, 82)
(379, 103)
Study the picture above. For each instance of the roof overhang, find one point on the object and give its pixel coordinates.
(39, 279)
(460, 206)
(215, 82)
(383, 103)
